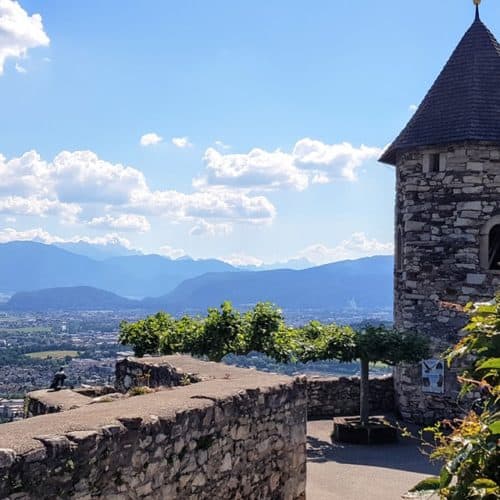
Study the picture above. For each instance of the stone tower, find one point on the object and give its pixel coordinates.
(447, 227)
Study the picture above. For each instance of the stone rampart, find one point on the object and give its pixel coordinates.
(236, 434)
(332, 397)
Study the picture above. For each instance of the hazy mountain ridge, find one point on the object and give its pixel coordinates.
(363, 283)
(27, 266)
(79, 298)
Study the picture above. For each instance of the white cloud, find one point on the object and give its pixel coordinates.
(19, 31)
(204, 228)
(172, 253)
(259, 169)
(358, 245)
(222, 205)
(82, 178)
(150, 139)
(124, 222)
(42, 236)
(333, 161)
(17, 205)
(413, 108)
(242, 260)
(310, 162)
(181, 142)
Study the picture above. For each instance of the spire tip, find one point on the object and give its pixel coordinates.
(477, 3)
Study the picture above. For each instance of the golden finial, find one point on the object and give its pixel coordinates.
(477, 3)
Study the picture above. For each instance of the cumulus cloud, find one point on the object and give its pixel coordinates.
(19, 31)
(17, 205)
(333, 161)
(310, 162)
(211, 204)
(171, 252)
(124, 222)
(258, 169)
(181, 142)
(150, 139)
(358, 245)
(42, 236)
(81, 178)
(204, 228)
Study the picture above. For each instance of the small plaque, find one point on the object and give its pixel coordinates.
(433, 376)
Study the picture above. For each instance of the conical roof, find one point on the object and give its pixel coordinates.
(464, 102)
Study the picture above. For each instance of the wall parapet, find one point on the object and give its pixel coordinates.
(236, 434)
(334, 397)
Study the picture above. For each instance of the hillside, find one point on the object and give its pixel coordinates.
(364, 283)
(69, 299)
(26, 265)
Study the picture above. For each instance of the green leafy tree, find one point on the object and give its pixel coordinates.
(263, 329)
(469, 447)
(368, 345)
(222, 333)
(184, 335)
(261, 326)
(144, 336)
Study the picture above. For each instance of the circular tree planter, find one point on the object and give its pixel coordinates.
(350, 430)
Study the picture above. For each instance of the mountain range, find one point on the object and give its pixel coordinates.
(48, 277)
(27, 265)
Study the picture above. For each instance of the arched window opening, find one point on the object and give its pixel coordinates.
(494, 248)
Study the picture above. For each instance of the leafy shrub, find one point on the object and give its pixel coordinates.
(469, 446)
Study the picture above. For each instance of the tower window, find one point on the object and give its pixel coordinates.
(490, 244)
(494, 248)
(435, 162)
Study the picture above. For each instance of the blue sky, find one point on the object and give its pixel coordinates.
(262, 120)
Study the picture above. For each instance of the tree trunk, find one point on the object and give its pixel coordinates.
(365, 392)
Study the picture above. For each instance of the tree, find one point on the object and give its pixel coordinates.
(469, 446)
(368, 345)
(222, 333)
(263, 329)
(144, 335)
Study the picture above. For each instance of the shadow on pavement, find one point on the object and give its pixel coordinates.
(404, 455)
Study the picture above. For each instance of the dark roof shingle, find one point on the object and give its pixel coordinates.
(464, 102)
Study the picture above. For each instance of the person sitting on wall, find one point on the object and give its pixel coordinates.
(58, 380)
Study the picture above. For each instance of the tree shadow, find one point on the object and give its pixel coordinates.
(404, 455)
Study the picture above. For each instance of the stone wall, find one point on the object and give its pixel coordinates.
(242, 435)
(439, 220)
(150, 372)
(326, 396)
(331, 397)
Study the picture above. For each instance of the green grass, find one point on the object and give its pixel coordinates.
(34, 329)
(52, 354)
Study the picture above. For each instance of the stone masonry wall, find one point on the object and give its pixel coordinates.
(439, 218)
(326, 396)
(242, 436)
(333, 397)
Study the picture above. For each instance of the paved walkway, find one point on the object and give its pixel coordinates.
(355, 472)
